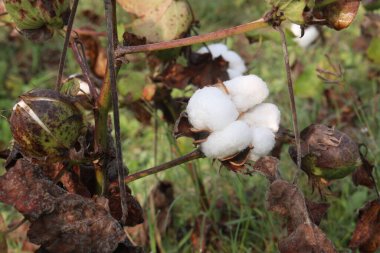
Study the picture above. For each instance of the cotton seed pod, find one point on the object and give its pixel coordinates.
(37, 19)
(247, 91)
(327, 153)
(211, 109)
(45, 124)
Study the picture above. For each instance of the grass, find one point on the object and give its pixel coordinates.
(248, 226)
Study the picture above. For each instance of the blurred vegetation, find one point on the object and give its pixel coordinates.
(355, 110)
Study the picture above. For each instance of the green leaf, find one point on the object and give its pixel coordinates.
(373, 51)
(293, 9)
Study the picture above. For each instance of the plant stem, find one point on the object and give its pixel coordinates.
(110, 9)
(66, 44)
(292, 102)
(221, 34)
(196, 154)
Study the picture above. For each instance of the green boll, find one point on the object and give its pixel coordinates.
(45, 125)
(327, 153)
(37, 19)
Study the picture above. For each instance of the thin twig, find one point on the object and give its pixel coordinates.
(82, 61)
(292, 101)
(217, 35)
(110, 8)
(196, 154)
(14, 227)
(66, 44)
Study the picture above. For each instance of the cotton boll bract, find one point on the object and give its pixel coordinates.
(247, 91)
(263, 141)
(263, 115)
(211, 109)
(234, 138)
(310, 35)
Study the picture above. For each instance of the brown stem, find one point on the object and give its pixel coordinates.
(81, 59)
(196, 154)
(66, 44)
(221, 34)
(110, 9)
(292, 101)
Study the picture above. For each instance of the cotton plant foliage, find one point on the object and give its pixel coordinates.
(236, 65)
(234, 115)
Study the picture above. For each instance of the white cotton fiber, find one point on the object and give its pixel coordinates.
(229, 141)
(247, 91)
(216, 50)
(211, 109)
(263, 141)
(311, 34)
(235, 62)
(263, 115)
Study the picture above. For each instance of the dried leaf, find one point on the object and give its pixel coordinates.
(307, 238)
(366, 236)
(135, 211)
(287, 200)
(363, 174)
(267, 166)
(76, 225)
(317, 211)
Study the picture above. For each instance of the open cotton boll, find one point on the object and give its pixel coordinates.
(234, 138)
(263, 141)
(263, 115)
(216, 50)
(247, 91)
(311, 34)
(232, 73)
(210, 108)
(235, 62)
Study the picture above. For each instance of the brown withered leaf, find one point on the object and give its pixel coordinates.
(307, 238)
(26, 188)
(267, 166)
(363, 174)
(76, 225)
(130, 39)
(135, 211)
(366, 236)
(287, 200)
(317, 211)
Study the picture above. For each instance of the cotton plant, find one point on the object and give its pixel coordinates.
(236, 65)
(231, 121)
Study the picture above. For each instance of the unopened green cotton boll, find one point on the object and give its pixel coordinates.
(45, 124)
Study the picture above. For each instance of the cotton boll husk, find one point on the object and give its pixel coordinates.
(263, 141)
(234, 138)
(216, 50)
(235, 62)
(311, 34)
(247, 91)
(263, 115)
(211, 109)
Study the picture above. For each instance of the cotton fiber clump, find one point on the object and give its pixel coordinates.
(236, 65)
(211, 109)
(231, 140)
(247, 91)
(310, 35)
(236, 117)
(263, 115)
